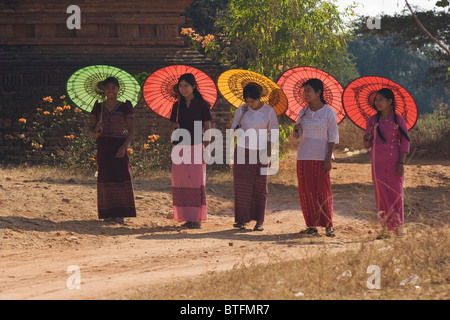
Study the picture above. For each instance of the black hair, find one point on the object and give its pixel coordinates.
(252, 90)
(317, 85)
(111, 80)
(389, 95)
(189, 78)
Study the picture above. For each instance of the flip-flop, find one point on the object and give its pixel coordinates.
(330, 232)
(239, 225)
(310, 231)
(258, 228)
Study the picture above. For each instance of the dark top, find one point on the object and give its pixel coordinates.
(199, 110)
(114, 120)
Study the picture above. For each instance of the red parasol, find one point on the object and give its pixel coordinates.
(291, 82)
(159, 93)
(359, 95)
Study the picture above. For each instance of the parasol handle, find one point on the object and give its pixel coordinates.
(101, 114)
(178, 110)
(245, 108)
(301, 119)
(370, 132)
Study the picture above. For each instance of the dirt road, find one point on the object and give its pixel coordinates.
(48, 223)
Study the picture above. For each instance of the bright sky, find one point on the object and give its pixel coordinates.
(390, 7)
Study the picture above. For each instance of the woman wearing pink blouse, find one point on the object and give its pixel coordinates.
(387, 136)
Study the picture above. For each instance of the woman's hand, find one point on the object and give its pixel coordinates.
(121, 152)
(297, 128)
(366, 141)
(98, 129)
(175, 126)
(400, 169)
(326, 166)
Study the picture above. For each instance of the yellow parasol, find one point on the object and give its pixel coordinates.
(232, 82)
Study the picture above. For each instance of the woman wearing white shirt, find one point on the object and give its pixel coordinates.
(317, 125)
(253, 123)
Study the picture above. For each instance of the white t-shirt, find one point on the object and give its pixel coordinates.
(253, 124)
(318, 129)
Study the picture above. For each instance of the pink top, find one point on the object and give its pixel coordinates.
(114, 120)
(395, 141)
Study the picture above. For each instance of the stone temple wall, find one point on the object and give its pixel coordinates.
(38, 53)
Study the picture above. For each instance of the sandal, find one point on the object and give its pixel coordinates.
(330, 232)
(239, 225)
(309, 231)
(258, 227)
(384, 234)
(196, 225)
(187, 224)
(191, 225)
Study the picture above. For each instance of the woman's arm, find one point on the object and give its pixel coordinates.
(94, 128)
(366, 141)
(129, 121)
(207, 126)
(367, 138)
(400, 167)
(327, 162)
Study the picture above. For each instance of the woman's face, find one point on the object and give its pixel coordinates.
(186, 90)
(381, 103)
(311, 95)
(111, 91)
(253, 103)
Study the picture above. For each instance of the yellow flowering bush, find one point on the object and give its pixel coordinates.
(56, 134)
(39, 132)
(148, 154)
(204, 44)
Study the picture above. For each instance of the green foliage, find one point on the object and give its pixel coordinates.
(153, 153)
(79, 154)
(443, 3)
(270, 37)
(203, 14)
(379, 56)
(141, 77)
(405, 33)
(286, 127)
(56, 134)
(39, 131)
(432, 132)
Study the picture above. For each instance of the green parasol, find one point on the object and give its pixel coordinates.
(84, 87)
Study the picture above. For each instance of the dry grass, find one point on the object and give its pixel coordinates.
(413, 267)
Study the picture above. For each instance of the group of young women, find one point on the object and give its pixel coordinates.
(386, 135)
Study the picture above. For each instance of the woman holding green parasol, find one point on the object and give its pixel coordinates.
(108, 121)
(100, 91)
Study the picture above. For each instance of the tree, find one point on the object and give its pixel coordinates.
(271, 36)
(378, 56)
(203, 14)
(405, 33)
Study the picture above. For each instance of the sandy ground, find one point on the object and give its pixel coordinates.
(48, 223)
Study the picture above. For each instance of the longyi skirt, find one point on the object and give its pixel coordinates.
(250, 189)
(115, 196)
(314, 189)
(188, 187)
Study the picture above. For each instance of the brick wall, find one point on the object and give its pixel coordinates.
(26, 78)
(38, 53)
